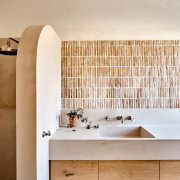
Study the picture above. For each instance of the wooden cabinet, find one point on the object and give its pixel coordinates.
(74, 170)
(169, 170)
(115, 170)
(129, 170)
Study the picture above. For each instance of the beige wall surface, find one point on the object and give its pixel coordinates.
(7, 115)
(7, 79)
(26, 104)
(8, 144)
(38, 63)
(94, 19)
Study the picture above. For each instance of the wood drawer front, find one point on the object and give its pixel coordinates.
(74, 170)
(128, 170)
(169, 170)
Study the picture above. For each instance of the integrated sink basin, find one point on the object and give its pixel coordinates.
(124, 132)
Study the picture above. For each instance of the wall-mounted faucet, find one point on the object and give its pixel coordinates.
(124, 119)
(120, 118)
(46, 133)
(128, 118)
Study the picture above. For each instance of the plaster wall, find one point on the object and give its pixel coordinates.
(47, 92)
(94, 19)
(26, 104)
(7, 78)
(37, 93)
(7, 115)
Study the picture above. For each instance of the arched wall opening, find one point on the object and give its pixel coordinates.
(38, 104)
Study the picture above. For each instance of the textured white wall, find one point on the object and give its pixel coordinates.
(47, 70)
(94, 19)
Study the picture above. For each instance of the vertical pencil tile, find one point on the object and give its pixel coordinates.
(120, 74)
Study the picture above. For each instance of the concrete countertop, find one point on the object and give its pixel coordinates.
(86, 144)
(161, 132)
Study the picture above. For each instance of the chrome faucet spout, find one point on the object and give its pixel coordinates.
(128, 118)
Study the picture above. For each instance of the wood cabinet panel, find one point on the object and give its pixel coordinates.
(115, 170)
(129, 170)
(169, 170)
(74, 170)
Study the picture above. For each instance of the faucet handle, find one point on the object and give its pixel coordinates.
(107, 118)
(89, 125)
(46, 134)
(129, 118)
(119, 118)
(96, 126)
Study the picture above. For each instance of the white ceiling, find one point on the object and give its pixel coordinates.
(94, 19)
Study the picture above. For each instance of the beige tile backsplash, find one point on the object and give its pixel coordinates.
(120, 74)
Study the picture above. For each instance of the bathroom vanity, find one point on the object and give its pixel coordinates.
(116, 152)
(116, 170)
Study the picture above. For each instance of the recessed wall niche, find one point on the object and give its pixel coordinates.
(120, 74)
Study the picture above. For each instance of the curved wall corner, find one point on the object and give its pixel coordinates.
(37, 97)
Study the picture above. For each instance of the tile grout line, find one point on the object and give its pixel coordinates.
(139, 50)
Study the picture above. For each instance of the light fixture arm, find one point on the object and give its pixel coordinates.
(13, 39)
